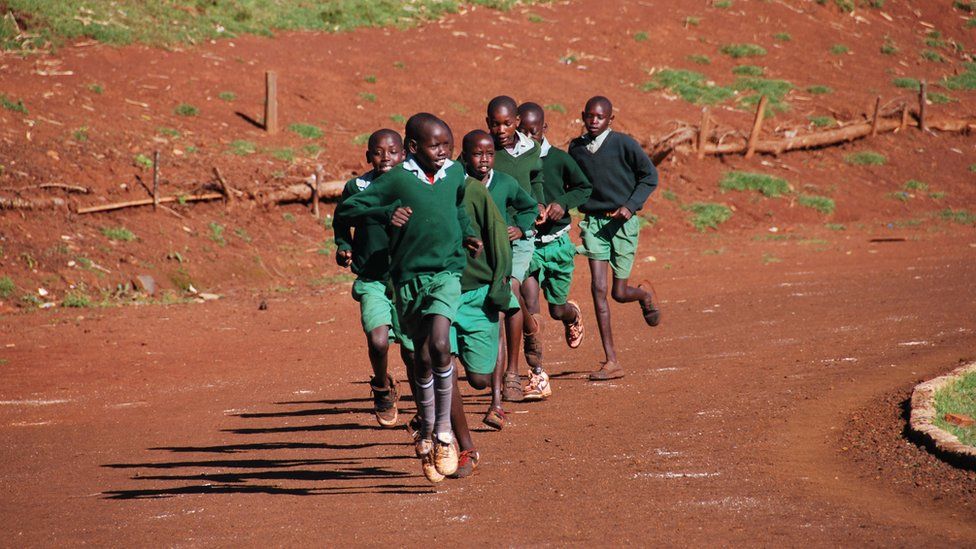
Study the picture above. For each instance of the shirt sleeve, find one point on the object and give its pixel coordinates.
(575, 183)
(376, 203)
(525, 206)
(340, 225)
(645, 175)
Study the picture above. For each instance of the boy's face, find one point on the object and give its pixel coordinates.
(533, 126)
(502, 124)
(433, 148)
(385, 153)
(596, 119)
(479, 159)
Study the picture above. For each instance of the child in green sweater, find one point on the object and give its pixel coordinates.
(565, 187)
(519, 211)
(623, 177)
(366, 251)
(518, 156)
(421, 199)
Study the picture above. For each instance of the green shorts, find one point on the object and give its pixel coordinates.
(613, 240)
(425, 295)
(522, 250)
(474, 333)
(376, 308)
(552, 265)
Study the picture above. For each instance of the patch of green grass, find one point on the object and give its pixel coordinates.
(819, 90)
(972, 168)
(958, 397)
(964, 217)
(782, 37)
(916, 185)
(689, 85)
(822, 121)
(932, 55)
(327, 248)
(937, 195)
(308, 131)
(289, 217)
(692, 21)
(97, 89)
(835, 227)
(227, 96)
(80, 135)
(968, 6)
(361, 139)
(971, 22)
(774, 90)
(640, 36)
(708, 215)
(76, 299)
(15, 106)
(370, 79)
(398, 118)
(186, 109)
(217, 233)
(7, 287)
(865, 158)
(768, 258)
(822, 204)
(535, 18)
(142, 161)
(700, 59)
(964, 81)
(839, 49)
(939, 98)
(889, 47)
(556, 107)
(367, 96)
(900, 196)
(242, 147)
(242, 234)
(311, 149)
(767, 185)
(722, 4)
(118, 233)
(907, 83)
(169, 132)
(668, 194)
(286, 154)
(748, 70)
(738, 51)
(933, 39)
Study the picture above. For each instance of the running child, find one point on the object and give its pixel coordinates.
(565, 187)
(518, 156)
(518, 211)
(421, 199)
(623, 177)
(366, 252)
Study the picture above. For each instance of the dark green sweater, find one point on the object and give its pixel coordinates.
(493, 266)
(431, 241)
(519, 207)
(621, 173)
(526, 168)
(369, 243)
(565, 184)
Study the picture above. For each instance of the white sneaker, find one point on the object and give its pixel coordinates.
(539, 387)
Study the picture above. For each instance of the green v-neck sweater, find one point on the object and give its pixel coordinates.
(493, 266)
(621, 173)
(563, 183)
(526, 168)
(368, 241)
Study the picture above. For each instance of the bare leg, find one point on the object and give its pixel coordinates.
(530, 295)
(458, 421)
(598, 287)
(622, 293)
(513, 339)
(378, 345)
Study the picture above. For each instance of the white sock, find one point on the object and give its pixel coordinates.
(426, 402)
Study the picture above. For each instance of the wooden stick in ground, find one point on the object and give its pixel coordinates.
(923, 90)
(703, 133)
(224, 187)
(756, 127)
(904, 118)
(874, 118)
(155, 180)
(271, 102)
(149, 202)
(315, 190)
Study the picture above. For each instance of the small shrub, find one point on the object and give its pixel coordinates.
(901, 196)
(242, 234)
(934, 56)
(76, 299)
(933, 39)
(169, 132)
(846, 6)
(668, 194)
(737, 51)
(10, 105)
(7, 287)
(889, 47)
(227, 96)
(822, 204)
(185, 109)
(308, 131)
(722, 4)
(819, 90)
(748, 70)
(535, 18)
(708, 215)
(866, 158)
(286, 154)
(80, 135)
(692, 21)
(744, 181)
(839, 49)
(118, 233)
(937, 195)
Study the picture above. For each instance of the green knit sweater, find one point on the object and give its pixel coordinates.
(431, 241)
(369, 243)
(518, 207)
(526, 168)
(621, 172)
(565, 184)
(493, 266)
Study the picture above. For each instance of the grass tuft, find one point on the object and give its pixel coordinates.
(308, 131)
(822, 204)
(7, 287)
(819, 90)
(689, 85)
(822, 121)
(748, 70)
(964, 217)
(227, 96)
(767, 185)
(11, 105)
(186, 109)
(964, 81)
(76, 299)
(118, 233)
(839, 49)
(708, 215)
(738, 51)
(866, 158)
(241, 147)
(959, 397)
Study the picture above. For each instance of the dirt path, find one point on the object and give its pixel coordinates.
(220, 424)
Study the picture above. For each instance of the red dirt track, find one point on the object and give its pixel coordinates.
(767, 409)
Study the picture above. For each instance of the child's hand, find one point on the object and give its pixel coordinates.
(400, 217)
(473, 245)
(621, 213)
(514, 233)
(555, 211)
(541, 218)
(344, 258)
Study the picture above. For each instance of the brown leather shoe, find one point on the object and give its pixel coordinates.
(608, 371)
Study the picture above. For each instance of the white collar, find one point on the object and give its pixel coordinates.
(523, 144)
(596, 142)
(364, 180)
(411, 165)
(544, 147)
(491, 176)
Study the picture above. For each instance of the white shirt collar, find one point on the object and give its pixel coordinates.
(364, 180)
(411, 165)
(488, 180)
(596, 142)
(544, 148)
(523, 144)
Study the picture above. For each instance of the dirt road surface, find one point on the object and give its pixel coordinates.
(219, 424)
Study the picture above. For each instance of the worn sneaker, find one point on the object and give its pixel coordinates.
(384, 402)
(413, 429)
(512, 390)
(425, 449)
(574, 329)
(445, 457)
(467, 463)
(650, 312)
(607, 371)
(532, 344)
(539, 387)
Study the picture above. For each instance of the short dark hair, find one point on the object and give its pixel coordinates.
(532, 108)
(473, 137)
(500, 102)
(380, 134)
(599, 100)
(418, 123)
